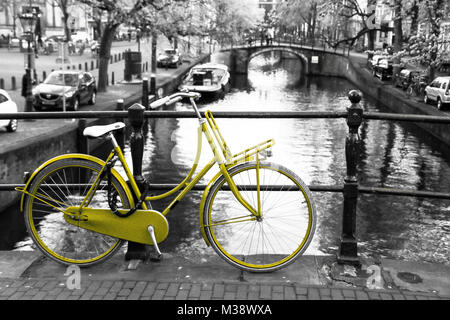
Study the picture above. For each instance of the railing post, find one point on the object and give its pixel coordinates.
(82, 141)
(136, 119)
(120, 134)
(348, 252)
(153, 85)
(145, 93)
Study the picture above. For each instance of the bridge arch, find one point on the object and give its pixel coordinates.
(300, 56)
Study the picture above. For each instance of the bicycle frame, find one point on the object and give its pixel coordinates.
(224, 160)
(222, 156)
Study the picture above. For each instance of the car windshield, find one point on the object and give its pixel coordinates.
(170, 51)
(62, 79)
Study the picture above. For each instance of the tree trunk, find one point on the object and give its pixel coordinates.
(398, 30)
(67, 32)
(414, 14)
(371, 36)
(104, 56)
(313, 23)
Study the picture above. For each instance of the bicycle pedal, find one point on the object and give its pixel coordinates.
(158, 254)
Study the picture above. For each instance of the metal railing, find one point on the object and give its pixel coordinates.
(318, 44)
(137, 115)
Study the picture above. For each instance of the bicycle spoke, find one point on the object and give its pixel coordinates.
(67, 183)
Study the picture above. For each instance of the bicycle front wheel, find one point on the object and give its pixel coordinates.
(65, 183)
(279, 236)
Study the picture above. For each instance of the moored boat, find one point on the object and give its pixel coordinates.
(208, 79)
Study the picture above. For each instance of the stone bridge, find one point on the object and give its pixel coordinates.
(315, 60)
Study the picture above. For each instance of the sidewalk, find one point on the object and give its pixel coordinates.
(31, 276)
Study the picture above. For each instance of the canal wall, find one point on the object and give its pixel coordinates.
(65, 136)
(353, 69)
(395, 99)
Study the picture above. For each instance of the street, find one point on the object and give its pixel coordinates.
(12, 65)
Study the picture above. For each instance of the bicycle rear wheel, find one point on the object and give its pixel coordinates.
(287, 221)
(66, 182)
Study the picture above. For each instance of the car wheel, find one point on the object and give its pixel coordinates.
(38, 108)
(75, 104)
(439, 103)
(12, 126)
(93, 98)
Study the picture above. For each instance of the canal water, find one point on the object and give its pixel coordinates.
(392, 155)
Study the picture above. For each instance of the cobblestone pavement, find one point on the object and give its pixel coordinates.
(36, 289)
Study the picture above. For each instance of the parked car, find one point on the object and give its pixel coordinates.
(169, 58)
(405, 77)
(438, 91)
(382, 67)
(71, 88)
(51, 43)
(7, 106)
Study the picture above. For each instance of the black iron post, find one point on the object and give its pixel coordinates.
(120, 134)
(153, 64)
(145, 93)
(348, 252)
(29, 81)
(136, 119)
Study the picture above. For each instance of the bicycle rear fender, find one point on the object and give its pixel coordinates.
(76, 156)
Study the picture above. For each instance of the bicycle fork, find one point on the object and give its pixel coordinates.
(256, 212)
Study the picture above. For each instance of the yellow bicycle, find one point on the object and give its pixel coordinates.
(258, 216)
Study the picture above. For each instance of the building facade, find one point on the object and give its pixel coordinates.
(50, 17)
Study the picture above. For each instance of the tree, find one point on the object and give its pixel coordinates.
(423, 47)
(65, 5)
(118, 12)
(229, 19)
(350, 11)
(295, 13)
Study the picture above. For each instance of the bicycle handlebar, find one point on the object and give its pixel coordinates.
(177, 97)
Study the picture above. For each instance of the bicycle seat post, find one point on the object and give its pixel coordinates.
(113, 140)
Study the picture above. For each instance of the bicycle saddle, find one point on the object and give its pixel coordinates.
(98, 131)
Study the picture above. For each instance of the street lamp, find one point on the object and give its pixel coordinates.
(28, 21)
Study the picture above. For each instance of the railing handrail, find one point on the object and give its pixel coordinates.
(312, 187)
(228, 114)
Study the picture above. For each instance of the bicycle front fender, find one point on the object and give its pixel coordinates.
(75, 156)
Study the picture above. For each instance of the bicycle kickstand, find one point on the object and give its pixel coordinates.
(158, 256)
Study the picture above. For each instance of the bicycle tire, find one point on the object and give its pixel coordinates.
(57, 239)
(272, 242)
